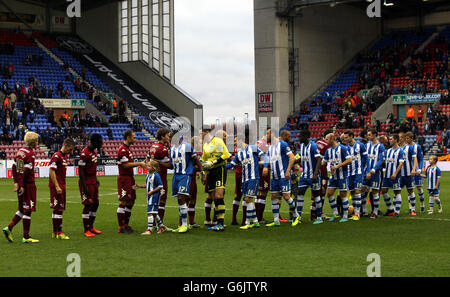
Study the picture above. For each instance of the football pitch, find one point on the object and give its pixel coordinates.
(407, 246)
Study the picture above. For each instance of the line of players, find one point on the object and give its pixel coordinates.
(354, 168)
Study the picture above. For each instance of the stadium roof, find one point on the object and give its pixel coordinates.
(401, 8)
(62, 4)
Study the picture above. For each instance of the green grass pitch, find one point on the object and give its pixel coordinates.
(408, 246)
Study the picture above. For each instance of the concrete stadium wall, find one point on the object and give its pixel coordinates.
(271, 58)
(40, 11)
(327, 38)
(99, 27)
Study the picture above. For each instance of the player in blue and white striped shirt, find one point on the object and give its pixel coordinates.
(311, 160)
(433, 184)
(338, 157)
(249, 159)
(356, 168)
(182, 158)
(374, 168)
(394, 159)
(281, 160)
(408, 171)
(418, 180)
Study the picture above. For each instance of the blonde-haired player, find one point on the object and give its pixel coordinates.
(23, 174)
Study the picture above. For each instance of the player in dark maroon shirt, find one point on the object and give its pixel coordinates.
(23, 174)
(57, 184)
(322, 146)
(264, 180)
(89, 184)
(126, 185)
(159, 151)
(237, 190)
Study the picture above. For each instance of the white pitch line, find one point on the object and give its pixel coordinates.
(430, 219)
(197, 207)
(109, 203)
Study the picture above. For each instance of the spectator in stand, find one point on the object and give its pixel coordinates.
(415, 129)
(31, 116)
(410, 113)
(50, 92)
(109, 132)
(67, 94)
(2, 154)
(445, 137)
(114, 102)
(420, 113)
(121, 107)
(11, 69)
(77, 83)
(91, 93)
(439, 141)
(6, 102)
(64, 120)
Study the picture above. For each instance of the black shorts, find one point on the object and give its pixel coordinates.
(217, 178)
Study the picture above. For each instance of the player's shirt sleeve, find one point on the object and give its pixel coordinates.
(233, 163)
(438, 173)
(364, 155)
(285, 148)
(345, 153)
(261, 155)
(315, 151)
(419, 158)
(122, 156)
(414, 152)
(151, 153)
(23, 167)
(266, 159)
(83, 159)
(326, 157)
(55, 161)
(190, 152)
(170, 155)
(157, 181)
(259, 152)
(14, 172)
(401, 156)
(381, 157)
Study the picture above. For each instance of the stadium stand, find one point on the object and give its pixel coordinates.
(384, 66)
(28, 72)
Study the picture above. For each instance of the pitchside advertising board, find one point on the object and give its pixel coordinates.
(105, 167)
(123, 85)
(415, 98)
